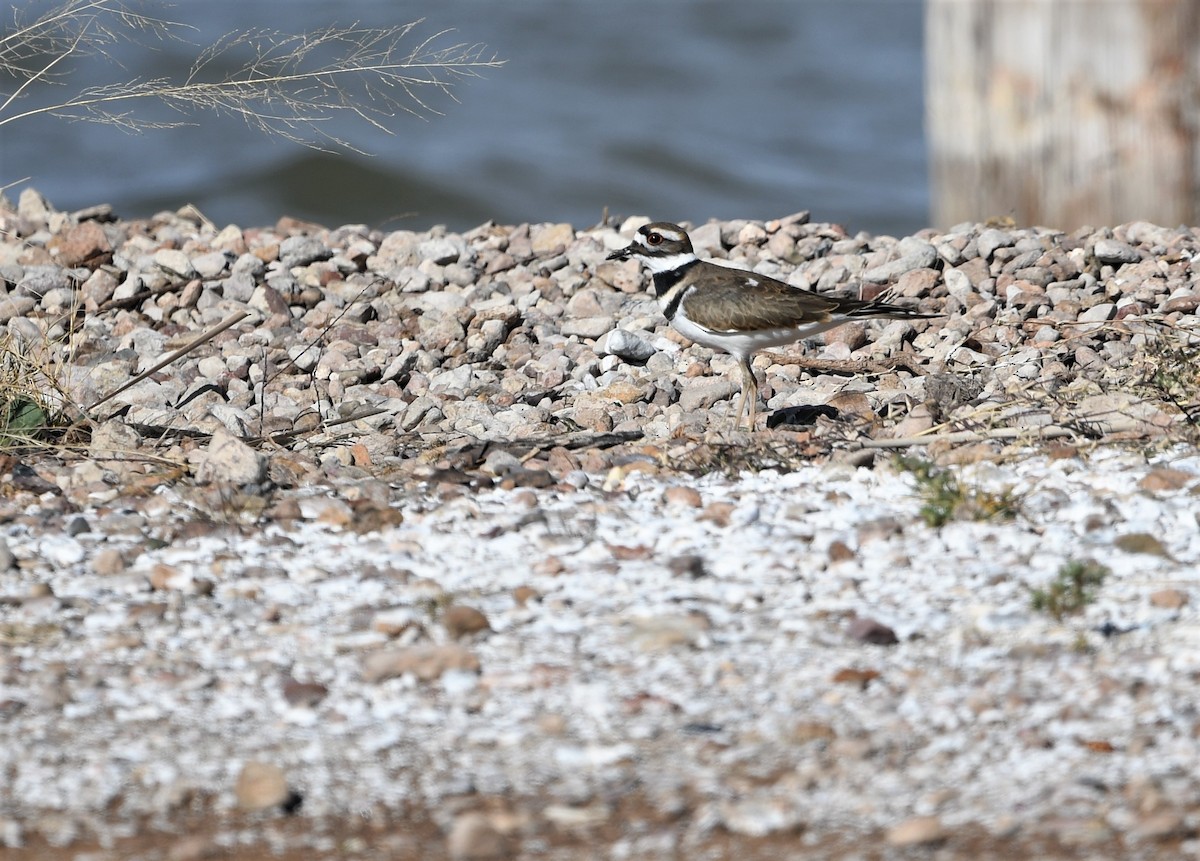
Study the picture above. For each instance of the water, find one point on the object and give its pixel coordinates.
(671, 109)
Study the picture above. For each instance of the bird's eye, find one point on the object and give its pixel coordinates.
(654, 238)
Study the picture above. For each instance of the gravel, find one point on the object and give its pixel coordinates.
(452, 529)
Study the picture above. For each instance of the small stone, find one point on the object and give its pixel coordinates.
(261, 786)
(1187, 304)
(228, 460)
(1141, 542)
(547, 239)
(853, 335)
(759, 817)
(439, 251)
(61, 551)
(855, 676)
(839, 551)
(751, 234)
(717, 513)
(668, 630)
(175, 263)
(917, 283)
(473, 837)
(212, 264)
(687, 497)
(1114, 253)
(702, 394)
(524, 594)
(991, 239)
(461, 620)
(1098, 313)
(1168, 599)
(587, 327)
(917, 831)
(867, 630)
(108, 562)
(7, 560)
(195, 847)
(426, 661)
(302, 250)
(627, 346)
(306, 694)
(690, 566)
(83, 244)
(922, 256)
(1165, 478)
(621, 392)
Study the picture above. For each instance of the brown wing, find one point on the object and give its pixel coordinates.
(727, 304)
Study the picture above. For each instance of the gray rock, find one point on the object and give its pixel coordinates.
(15, 307)
(239, 286)
(212, 264)
(302, 250)
(701, 394)
(706, 240)
(228, 460)
(40, 280)
(1098, 313)
(587, 327)
(174, 263)
(627, 346)
(1114, 252)
(991, 239)
(440, 251)
(923, 256)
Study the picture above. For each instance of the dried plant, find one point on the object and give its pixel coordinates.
(299, 87)
(945, 498)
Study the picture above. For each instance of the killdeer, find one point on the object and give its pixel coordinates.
(738, 311)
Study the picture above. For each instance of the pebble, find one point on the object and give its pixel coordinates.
(261, 786)
(472, 837)
(867, 630)
(702, 394)
(1168, 599)
(228, 460)
(425, 661)
(917, 831)
(461, 621)
(627, 346)
(1115, 253)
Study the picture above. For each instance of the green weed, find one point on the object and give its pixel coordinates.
(945, 498)
(1073, 588)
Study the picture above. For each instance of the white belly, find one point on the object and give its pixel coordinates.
(743, 344)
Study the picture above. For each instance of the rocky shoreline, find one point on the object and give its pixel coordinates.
(443, 547)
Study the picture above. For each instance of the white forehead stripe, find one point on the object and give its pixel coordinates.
(669, 235)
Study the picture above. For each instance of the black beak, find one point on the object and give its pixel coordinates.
(624, 254)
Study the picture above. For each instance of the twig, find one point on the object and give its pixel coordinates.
(202, 338)
(857, 367)
(1047, 432)
(282, 436)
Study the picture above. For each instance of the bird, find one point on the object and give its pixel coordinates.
(735, 310)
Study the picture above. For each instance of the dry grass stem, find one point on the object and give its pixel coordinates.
(202, 338)
(297, 86)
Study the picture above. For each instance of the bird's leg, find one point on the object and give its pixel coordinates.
(749, 391)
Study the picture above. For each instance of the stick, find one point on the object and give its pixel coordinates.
(1048, 432)
(182, 351)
